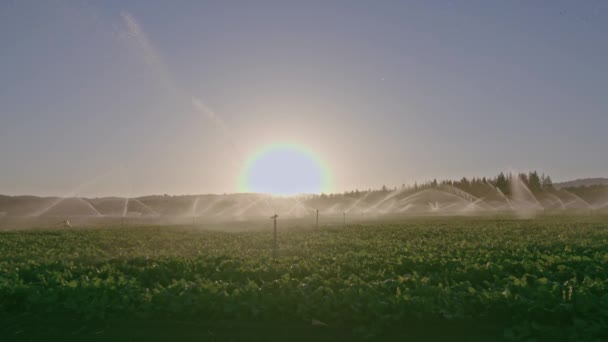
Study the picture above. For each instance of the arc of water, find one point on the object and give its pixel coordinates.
(397, 206)
(194, 206)
(358, 201)
(292, 209)
(230, 208)
(210, 205)
(451, 205)
(62, 199)
(88, 204)
(579, 198)
(70, 194)
(504, 197)
(267, 201)
(573, 201)
(557, 200)
(475, 201)
(386, 198)
(46, 209)
(333, 209)
(552, 202)
(222, 211)
(296, 205)
(413, 197)
(434, 206)
(250, 205)
(459, 192)
(146, 206)
(405, 208)
(309, 210)
(604, 204)
(389, 208)
(125, 208)
(518, 184)
(474, 205)
(242, 209)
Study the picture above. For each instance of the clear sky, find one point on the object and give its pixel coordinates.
(149, 97)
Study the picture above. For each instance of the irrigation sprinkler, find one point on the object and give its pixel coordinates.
(275, 246)
(65, 223)
(317, 225)
(344, 219)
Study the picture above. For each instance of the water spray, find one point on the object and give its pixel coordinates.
(135, 35)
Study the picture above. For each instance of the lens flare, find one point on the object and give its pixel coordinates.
(284, 169)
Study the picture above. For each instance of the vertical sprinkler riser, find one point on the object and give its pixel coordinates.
(275, 244)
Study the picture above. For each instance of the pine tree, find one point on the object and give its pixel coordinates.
(534, 183)
(547, 183)
(502, 183)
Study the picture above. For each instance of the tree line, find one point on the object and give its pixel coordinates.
(480, 187)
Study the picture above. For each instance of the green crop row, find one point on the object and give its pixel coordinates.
(541, 278)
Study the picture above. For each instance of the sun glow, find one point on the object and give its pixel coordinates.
(284, 169)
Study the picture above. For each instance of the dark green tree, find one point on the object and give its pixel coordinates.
(547, 183)
(502, 183)
(534, 182)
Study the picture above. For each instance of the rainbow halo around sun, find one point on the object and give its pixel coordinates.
(284, 169)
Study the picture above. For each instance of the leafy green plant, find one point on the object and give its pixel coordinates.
(541, 278)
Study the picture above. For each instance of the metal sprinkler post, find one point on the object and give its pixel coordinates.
(275, 246)
(317, 225)
(67, 223)
(344, 219)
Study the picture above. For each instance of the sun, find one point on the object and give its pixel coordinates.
(284, 169)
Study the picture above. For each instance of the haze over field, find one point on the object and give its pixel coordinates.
(313, 170)
(132, 98)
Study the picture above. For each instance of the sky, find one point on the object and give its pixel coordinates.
(129, 98)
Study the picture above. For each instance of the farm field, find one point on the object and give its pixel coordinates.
(470, 279)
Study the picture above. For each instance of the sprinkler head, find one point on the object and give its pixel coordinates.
(274, 217)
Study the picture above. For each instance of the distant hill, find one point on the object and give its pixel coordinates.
(581, 182)
(512, 193)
